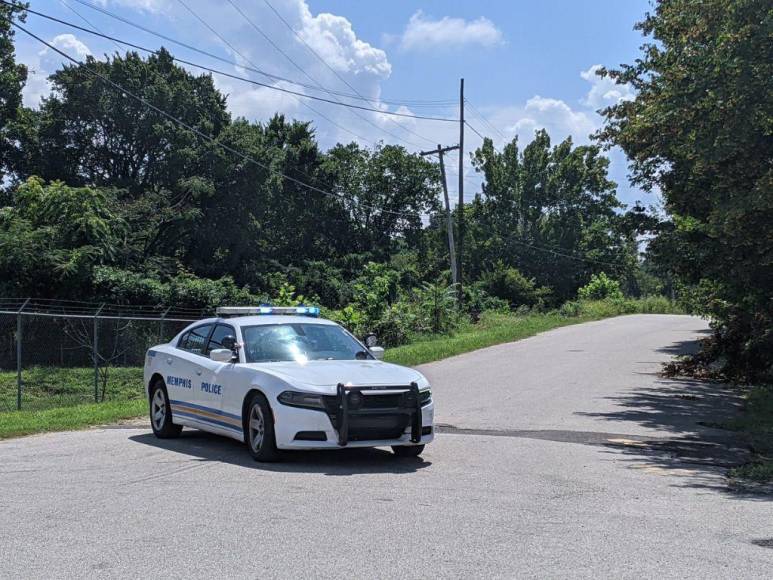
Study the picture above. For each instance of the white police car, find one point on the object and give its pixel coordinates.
(282, 378)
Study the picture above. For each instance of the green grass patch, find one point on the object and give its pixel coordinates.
(69, 418)
(756, 426)
(53, 387)
(497, 328)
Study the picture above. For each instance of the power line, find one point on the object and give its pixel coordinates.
(331, 121)
(564, 255)
(86, 20)
(474, 130)
(220, 72)
(283, 53)
(342, 79)
(323, 61)
(194, 130)
(238, 65)
(485, 120)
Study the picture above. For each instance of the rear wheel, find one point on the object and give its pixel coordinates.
(259, 430)
(161, 413)
(408, 450)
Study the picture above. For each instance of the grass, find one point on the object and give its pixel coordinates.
(19, 423)
(56, 399)
(497, 328)
(756, 426)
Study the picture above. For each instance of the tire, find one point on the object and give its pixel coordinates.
(408, 450)
(161, 412)
(259, 430)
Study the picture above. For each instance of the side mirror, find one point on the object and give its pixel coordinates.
(377, 352)
(229, 342)
(221, 355)
(371, 340)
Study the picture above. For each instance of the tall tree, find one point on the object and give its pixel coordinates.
(546, 198)
(385, 191)
(13, 75)
(701, 130)
(93, 134)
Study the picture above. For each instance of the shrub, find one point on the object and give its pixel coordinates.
(600, 287)
(510, 285)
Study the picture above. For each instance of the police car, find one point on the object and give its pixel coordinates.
(283, 378)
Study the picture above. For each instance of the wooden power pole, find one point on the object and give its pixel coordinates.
(460, 206)
(449, 220)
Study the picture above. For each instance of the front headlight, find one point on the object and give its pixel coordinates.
(304, 400)
(425, 397)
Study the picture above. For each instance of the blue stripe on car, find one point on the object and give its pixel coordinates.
(207, 409)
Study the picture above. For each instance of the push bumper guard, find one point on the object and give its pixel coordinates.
(411, 406)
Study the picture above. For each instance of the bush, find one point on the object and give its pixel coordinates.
(600, 287)
(510, 285)
(477, 300)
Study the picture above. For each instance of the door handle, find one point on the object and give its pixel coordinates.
(198, 371)
(169, 361)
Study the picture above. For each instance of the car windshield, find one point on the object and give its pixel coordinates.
(300, 343)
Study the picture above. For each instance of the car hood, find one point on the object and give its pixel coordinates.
(324, 375)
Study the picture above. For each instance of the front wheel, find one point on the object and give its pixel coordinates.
(259, 430)
(408, 450)
(161, 413)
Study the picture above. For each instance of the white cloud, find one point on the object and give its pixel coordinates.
(43, 63)
(70, 44)
(604, 91)
(423, 33)
(333, 38)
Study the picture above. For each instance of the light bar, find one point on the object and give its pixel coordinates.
(312, 311)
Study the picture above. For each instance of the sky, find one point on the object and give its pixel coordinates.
(527, 64)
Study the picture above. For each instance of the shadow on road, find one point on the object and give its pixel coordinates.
(693, 411)
(209, 447)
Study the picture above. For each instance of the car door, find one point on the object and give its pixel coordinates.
(216, 380)
(185, 367)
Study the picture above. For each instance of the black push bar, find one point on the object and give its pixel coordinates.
(343, 410)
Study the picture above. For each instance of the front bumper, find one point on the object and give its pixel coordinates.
(365, 425)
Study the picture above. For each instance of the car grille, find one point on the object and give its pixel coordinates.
(375, 426)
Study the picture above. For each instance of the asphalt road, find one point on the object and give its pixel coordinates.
(561, 456)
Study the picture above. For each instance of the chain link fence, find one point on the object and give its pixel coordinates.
(56, 353)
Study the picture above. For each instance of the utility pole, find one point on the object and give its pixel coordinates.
(449, 220)
(460, 206)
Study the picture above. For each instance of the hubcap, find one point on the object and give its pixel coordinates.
(158, 409)
(257, 427)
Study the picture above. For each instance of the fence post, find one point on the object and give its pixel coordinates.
(161, 325)
(95, 352)
(18, 354)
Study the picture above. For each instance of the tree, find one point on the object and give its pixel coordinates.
(701, 130)
(93, 134)
(53, 236)
(549, 211)
(12, 78)
(385, 192)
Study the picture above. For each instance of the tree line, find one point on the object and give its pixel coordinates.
(104, 198)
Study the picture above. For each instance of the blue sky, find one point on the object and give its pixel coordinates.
(526, 65)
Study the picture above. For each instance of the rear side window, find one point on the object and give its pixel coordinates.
(216, 340)
(195, 340)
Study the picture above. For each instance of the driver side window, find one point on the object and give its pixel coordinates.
(216, 340)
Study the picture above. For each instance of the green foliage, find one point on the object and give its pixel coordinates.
(600, 287)
(510, 285)
(700, 130)
(543, 207)
(12, 78)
